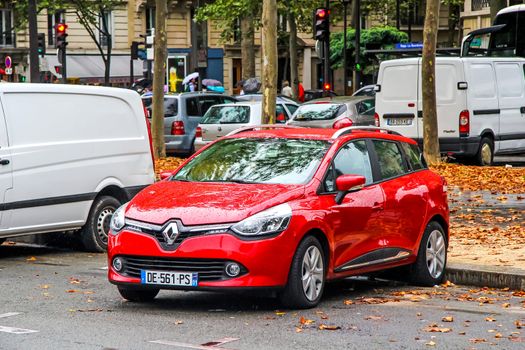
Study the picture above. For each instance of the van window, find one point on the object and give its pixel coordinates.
(482, 81)
(353, 159)
(510, 80)
(391, 162)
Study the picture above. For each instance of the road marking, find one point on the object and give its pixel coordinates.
(212, 345)
(16, 330)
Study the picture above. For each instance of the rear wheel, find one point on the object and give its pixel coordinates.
(485, 154)
(307, 276)
(137, 295)
(429, 268)
(95, 232)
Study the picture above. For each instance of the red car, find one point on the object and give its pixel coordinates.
(286, 209)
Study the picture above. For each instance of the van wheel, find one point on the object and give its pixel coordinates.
(307, 276)
(95, 232)
(137, 295)
(485, 154)
(429, 268)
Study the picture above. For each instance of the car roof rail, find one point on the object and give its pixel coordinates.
(263, 126)
(349, 129)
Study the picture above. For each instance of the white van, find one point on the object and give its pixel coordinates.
(480, 104)
(69, 156)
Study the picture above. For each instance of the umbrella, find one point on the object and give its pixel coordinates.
(193, 75)
(211, 82)
(218, 89)
(251, 85)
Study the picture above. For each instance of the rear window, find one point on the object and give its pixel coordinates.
(170, 106)
(319, 111)
(227, 115)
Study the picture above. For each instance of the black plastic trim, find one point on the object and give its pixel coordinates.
(486, 111)
(48, 201)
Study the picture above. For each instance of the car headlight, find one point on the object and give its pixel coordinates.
(266, 222)
(118, 220)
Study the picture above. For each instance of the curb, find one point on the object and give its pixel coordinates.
(486, 276)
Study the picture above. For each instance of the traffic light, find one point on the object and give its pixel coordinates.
(322, 24)
(61, 35)
(41, 44)
(358, 67)
(135, 50)
(327, 87)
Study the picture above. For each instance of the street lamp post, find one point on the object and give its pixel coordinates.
(345, 58)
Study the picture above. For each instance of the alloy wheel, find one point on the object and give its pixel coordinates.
(103, 222)
(436, 250)
(486, 153)
(312, 273)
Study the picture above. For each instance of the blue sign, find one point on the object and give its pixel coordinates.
(409, 46)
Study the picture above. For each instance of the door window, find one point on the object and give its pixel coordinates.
(391, 162)
(291, 108)
(208, 101)
(353, 159)
(414, 156)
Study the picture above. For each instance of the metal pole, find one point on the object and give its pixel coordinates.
(357, 22)
(398, 23)
(149, 66)
(410, 22)
(131, 73)
(345, 58)
(326, 53)
(64, 66)
(34, 69)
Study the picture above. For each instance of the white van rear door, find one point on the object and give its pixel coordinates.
(450, 100)
(396, 102)
(511, 93)
(6, 174)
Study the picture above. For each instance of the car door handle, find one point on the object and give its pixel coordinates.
(4, 161)
(378, 206)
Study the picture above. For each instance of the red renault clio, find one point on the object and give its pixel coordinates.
(287, 209)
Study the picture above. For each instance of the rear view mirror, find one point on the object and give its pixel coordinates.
(346, 184)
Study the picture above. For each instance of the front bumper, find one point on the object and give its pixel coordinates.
(266, 261)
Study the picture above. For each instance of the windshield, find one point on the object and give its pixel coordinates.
(319, 111)
(256, 160)
(227, 115)
(170, 106)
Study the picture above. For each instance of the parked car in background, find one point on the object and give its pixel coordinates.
(367, 90)
(258, 97)
(336, 112)
(70, 155)
(310, 95)
(220, 120)
(284, 209)
(182, 114)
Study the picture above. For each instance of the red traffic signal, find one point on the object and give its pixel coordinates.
(321, 24)
(61, 35)
(321, 13)
(327, 87)
(61, 28)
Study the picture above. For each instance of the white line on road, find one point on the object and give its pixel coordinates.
(216, 344)
(9, 314)
(16, 330)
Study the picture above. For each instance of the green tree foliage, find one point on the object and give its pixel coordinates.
(380, 37)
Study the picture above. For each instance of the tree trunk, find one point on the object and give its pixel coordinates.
(428, 73)
(269, 54)
(495, 6)
(159, 72)
(247, 47)
(294, 64)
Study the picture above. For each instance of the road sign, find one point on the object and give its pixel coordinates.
(8, 71)
(409, 46)
(8, 61)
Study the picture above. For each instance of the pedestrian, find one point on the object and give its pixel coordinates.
(240, 87)
(192, 85)
(287, 90)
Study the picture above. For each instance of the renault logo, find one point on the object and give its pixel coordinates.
(170, 233)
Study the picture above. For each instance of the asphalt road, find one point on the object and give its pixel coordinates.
(60, 299)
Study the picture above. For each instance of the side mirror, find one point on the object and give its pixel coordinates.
(165, 174)
(346, 184)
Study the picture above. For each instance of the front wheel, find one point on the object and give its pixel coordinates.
(307, 276)
(429, 268)
(137, 295)
(95, 232)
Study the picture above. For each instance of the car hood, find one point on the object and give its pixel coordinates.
(198, 203)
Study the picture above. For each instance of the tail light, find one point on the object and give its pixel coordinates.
(376, 120)
(198, 132)
(342, 123)
(177, 128)
(464, 122)
(148, 124)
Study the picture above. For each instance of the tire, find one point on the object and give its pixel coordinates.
(137, 295)
(485, 154)
(307, 295)
(94, 234)
(429, 268)
(2, 240)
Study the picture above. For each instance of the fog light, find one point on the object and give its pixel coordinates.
(117, 264)
(233, 269)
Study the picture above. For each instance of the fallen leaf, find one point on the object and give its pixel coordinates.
(305, 321)
(498, 335)
(490, 319)
(478, 340)
(374, 318)
(179, 322)
(72, 291)
(328, 327)
(431, 343)
(348, 302)
(31, 259)
(298, 329)
(448, 319)
(437, 329)
(280, 313)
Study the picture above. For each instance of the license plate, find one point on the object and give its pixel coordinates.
(399, 121)
(164, 278)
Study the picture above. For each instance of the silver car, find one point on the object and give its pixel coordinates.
(335, 112)
(182, 114)
(220, 120)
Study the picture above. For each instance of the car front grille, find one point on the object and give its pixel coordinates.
(208, 269)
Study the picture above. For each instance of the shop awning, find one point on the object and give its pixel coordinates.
(90, 68)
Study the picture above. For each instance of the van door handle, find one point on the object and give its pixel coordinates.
(4, 161)
(522, 110)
